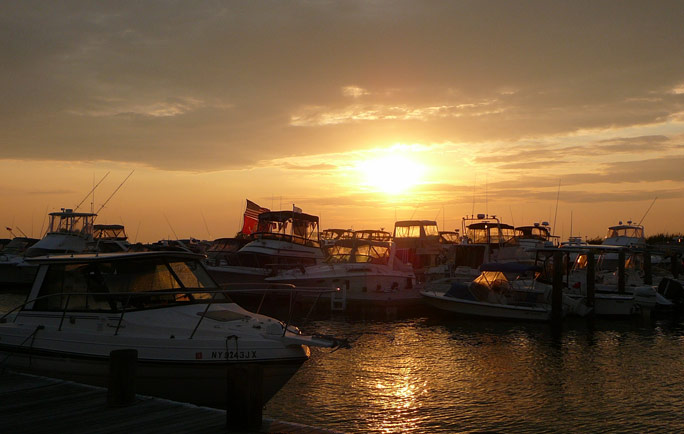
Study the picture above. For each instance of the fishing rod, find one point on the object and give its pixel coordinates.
(117, 189)
(91, 191)
(649, 209)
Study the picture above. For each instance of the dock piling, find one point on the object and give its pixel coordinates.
(591, 278)
(621, 271)
(557, 291)
(244, 401)
(122, 371)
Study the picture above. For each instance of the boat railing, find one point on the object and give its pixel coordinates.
(114, 301)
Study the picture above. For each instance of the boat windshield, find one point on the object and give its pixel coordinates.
(70, 222)
(416, 231)
(625, 231)
(361, 253)
(493, 280)
(90, 285)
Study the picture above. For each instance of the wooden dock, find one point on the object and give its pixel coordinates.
(31, 404)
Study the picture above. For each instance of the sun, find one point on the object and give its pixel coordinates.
(392, 174)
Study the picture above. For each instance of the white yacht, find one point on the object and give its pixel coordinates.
(188, 334)
(68, 232)
(283, 240)
(367, 272)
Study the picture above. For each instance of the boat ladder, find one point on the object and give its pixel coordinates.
(338, 299)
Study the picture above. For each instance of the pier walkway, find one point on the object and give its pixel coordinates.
(31, 404)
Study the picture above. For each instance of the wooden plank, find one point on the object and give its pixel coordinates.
(31, 404)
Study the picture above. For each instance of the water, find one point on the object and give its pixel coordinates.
(433, 373)
(443, 376)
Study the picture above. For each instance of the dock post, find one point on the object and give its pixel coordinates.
(648, 272)
(557, 291)
(591, 278)
(244, 402)
(621, 271)
(122, 367)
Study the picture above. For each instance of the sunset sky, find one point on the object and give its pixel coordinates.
(361, 112)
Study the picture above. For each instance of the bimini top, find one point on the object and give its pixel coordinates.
(108, 257)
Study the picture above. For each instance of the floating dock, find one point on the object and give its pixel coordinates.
(32, 404)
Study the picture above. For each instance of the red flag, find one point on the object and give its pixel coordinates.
(252, 217)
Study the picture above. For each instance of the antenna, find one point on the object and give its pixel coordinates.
(205, 224)
(649, 209)
(117, 189)
(474, 185)
(169, 223)
(91, 191)
(556, 213)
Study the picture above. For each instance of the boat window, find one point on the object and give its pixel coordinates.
(407, 232)
(371, 253)
(494, 280)
(82, 282)
(431, 230)
(340, 253)
(90, 284)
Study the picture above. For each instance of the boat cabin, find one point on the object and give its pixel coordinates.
(290, 226)
(487, 229)
(119, 281)
(329, 236)
(624, 232)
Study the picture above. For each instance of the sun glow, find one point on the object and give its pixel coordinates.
(392, 174)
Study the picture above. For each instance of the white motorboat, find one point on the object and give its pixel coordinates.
(493, 295)
(189, 335)
(366, 271)
(283, 240)
(68, 232)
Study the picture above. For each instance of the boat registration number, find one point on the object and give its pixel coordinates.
(233, 355)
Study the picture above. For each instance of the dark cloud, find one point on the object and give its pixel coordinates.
(211, 85)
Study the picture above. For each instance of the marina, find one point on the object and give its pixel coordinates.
(344, 216)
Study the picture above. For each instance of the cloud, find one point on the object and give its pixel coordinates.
(211, 86)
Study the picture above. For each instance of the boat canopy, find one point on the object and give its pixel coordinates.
(337, 234)
(628, 231)
(415, 229)
(369, 234)
(291, 226)
(534, 232)
(449, 237)
(490, 233)
(101, 282)
(360, 251)
(110, 232)
(67, 221)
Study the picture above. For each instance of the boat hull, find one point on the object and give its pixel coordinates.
(200, 382)
(487, 310)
